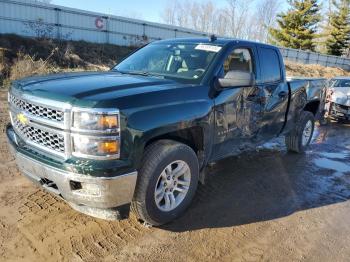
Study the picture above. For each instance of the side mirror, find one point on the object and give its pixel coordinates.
(237, 79)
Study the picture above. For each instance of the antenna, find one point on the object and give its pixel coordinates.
(212, 38)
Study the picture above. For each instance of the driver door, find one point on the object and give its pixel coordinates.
(238, 110)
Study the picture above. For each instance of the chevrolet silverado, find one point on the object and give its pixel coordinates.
(141, 135)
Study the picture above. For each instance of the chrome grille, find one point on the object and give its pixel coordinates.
(40, 137)
(37, 110)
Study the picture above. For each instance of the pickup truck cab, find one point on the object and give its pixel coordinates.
(141, 134)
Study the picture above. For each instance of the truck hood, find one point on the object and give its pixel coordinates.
(341, 95)
(93, 87)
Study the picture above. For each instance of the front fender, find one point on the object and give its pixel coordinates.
(147, 124)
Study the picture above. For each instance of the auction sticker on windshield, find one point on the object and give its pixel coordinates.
(209, 48)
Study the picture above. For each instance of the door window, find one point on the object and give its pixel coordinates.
(270, 65)
(239, 60)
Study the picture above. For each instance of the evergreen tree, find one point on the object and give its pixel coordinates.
(298, 26)
(339, 28)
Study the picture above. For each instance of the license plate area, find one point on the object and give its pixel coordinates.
(37, 174)
(30, 168)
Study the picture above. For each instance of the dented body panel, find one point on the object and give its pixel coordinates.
(340, 98)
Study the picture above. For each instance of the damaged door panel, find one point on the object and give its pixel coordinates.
(238, 110)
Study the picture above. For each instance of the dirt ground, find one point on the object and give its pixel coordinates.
(266, 205)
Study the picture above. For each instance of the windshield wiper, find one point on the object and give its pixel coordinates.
(141, 73)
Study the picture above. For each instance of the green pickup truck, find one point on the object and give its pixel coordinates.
(141, 135)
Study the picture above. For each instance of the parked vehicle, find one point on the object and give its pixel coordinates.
(339, 102)
(143, 133)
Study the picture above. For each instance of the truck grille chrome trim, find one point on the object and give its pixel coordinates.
(41, 137)
(45, 124)
(37, 110)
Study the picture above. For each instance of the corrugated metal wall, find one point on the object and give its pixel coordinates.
(315, 58)
(29, 18)
(17, 16)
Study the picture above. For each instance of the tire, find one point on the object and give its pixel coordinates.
(152, 174)
(294, 140)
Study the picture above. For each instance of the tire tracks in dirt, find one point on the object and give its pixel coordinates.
(50, 224)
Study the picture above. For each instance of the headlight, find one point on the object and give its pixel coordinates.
(95, 121)
(95, 133)
(96, 147)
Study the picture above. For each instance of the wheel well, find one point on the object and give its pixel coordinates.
(193, 137)
(312, 107)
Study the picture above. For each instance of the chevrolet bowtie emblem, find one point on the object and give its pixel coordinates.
(22, 119)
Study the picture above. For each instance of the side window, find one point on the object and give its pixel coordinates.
(270, 65)
(239, 60)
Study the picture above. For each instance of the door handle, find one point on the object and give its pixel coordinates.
(282, 94)
(252, 97)
(256, 99)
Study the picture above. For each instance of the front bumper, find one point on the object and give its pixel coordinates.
(340, 111)
(102, 197)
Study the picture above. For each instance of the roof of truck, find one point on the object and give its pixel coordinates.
(208, 40)
(305, 78)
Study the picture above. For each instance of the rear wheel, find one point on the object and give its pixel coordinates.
(300, 137)
(167, 182)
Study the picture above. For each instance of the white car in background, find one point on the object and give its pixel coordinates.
(340, 98)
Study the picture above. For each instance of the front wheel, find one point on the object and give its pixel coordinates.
(167, 182)
(300, 137)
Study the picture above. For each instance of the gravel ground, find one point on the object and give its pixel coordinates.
(266, 205)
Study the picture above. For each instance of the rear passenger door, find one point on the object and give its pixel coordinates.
(272, 82)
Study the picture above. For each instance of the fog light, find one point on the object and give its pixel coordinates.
(85, 189)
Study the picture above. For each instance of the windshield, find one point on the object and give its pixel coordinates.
(341, 83)
(177, 61)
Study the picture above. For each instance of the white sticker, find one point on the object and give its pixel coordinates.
(209, 48)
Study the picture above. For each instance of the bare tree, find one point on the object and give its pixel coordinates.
(207, 13)
(201, 16)
(265, 17)
(221, 24)
(169, 13)
(237, 15)
(238, 18)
